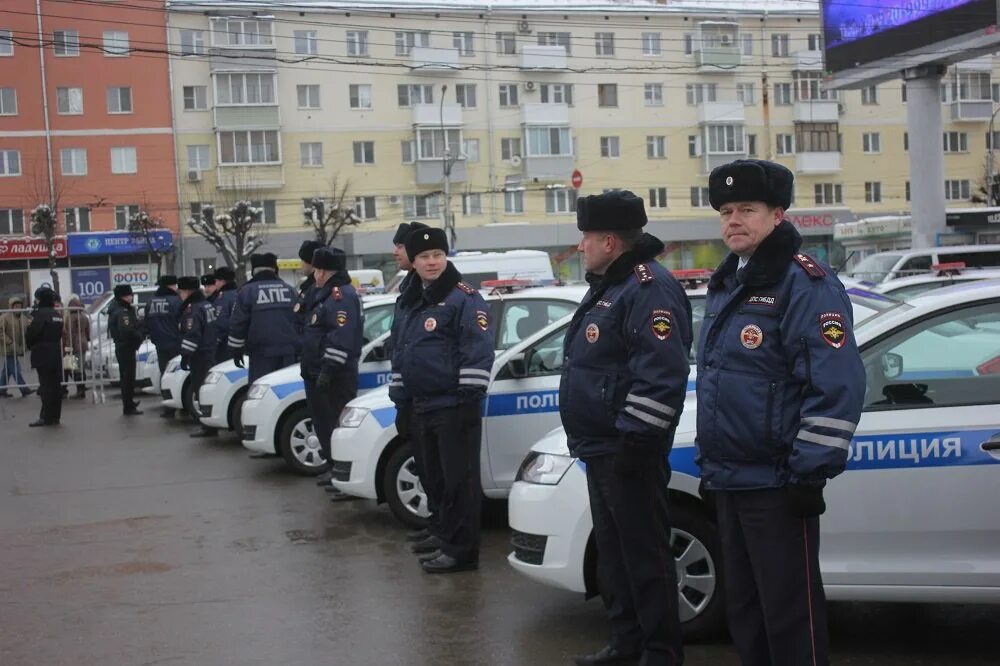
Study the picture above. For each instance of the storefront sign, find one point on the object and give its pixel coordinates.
(91, 283)
(137, 275)
(873, 227)
(117, 242)
(30, 248)
(818, 221)
(982, 217)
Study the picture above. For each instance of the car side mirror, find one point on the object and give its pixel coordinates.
(517, 365)
(379, 354)
(892, 365)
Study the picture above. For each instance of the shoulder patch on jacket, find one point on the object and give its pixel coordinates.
(337, 294)
(809, 265)
(466, 288)
(643, 274)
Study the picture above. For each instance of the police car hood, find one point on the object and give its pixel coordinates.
(285, 375)
(377, 398)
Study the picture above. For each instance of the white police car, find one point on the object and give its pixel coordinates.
(221, 397)
(174, 386)
(914, 518)
(941, 275)
(147, 372)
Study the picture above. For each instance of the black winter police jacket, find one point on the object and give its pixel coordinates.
(263, 321)
(197, 326)
(44, 337)
(334, 324)
(124, 326)
(162, 319)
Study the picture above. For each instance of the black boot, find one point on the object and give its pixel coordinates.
(608, 655)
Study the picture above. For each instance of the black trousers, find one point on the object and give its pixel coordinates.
(223, 352)
(451, 440)
(325, 405)
(638, 575)
(430, 479)
(265, 365)
(126, 368)
(163, 356)
(50, 392)
(201, 362)
(774, 591)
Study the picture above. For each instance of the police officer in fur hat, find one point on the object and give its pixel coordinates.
(198, 338)
(622, 390)
(306, 251)
(44, 338)
(781, 322)
(223, 302)
(125, 329)
(162, 321)
(263, 324)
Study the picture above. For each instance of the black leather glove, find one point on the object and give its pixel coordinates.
(806, 501)
(324, 379)
(238, 359)
(635, 457)
(403, 416)
(185, 363)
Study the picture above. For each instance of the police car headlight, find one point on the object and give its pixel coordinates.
(257, 391)
(213, 377)
(545, 469)
(352, 417)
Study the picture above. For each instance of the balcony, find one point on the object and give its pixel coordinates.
(547, 168)
(431, 171)
(544, 114)
(973, 110)
(237, 59)
(534, 56)
(433, 60)
(980, 64)
(817, 163)
(717, 59)
(246, 117)
(711, 160)
(435, 115)
(809, 61)
(816, 111)
(250, 178)
(718, 113)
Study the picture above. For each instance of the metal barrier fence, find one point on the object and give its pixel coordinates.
(88, 354)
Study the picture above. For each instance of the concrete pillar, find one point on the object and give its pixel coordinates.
(923, 114)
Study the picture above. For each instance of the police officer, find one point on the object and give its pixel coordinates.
(331, 344)
(224, 300)
(125, 329)
(780, 390)
(44, 338)
(306, 251)
(263, 324)
(198, 339)
(622, 390)
(444, 370)
(162, 321)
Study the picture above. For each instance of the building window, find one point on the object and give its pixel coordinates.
(360, 95)
(472, 204)
(956, 142)
(829, 194)
(902, 93)
(699, 197)
(815, 41)
(871, 142)
(410, 94)
(508, 94)
(249, 147)
(817, 137)
(74, 161)
(873, 192)
(465, 95)
(744, 93)
(869, 95)
(555, 39)
(69, 101)
(244, 89)
(751, 145)
(809, 86)
(77, 218)
(506, 43)
(115, 43)
(657, 197)
(123, 214)
(11, 222)
(462, 41)
(364, 152)
(694, 145)
(305, 42)
(244, 32)
(123, 160)
(420, 206)
(607, 94)
(10, 163)
(405, 41)
(357, 42)
(195, 98)
(513, 202)
(974, 86)
(66, 43)
(204, 265)
(408, 149)
(779, 45)
(8, 102)
(364, 207)
(724, 139)
(510, 147)
(192, 42)
(653, 94)
(269, 208)
(198, 157)
(907, 190)
(610, 146)
(119, 100)
(995, 92)
(651, 44)
(785, 144)
(746, 43)
(604, 43)
(560, 200)
(6, 43)
(656, 147)
(470, 150)
(782, 94)
(556, 93)
(906, 140)
(957, 190)
(688, 43)
(992, 141)
(308, 96)
(311, 154)
(697, 93)
(548, 141)
(431, 143)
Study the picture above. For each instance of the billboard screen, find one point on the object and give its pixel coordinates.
(858, 32)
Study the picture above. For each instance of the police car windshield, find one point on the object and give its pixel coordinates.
(874, 268)
(879, 303)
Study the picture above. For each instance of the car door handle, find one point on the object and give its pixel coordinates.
(992, 444)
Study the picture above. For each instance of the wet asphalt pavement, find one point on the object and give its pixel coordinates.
(126, 542)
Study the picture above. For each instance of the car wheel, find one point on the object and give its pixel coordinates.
(402, 489)
(236, 411)
(697, 556)
(299, 445)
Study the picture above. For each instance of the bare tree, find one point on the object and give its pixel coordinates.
(45, 214)
(236, 229)
(143, 227)
(986, 192)
(329, 216)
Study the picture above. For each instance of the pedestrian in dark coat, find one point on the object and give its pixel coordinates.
(198, 338)
(44, 339)
(126, 330)
(162, 323)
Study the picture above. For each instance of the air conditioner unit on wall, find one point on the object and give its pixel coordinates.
(524, 27)
(395, 199)
(529, 86)
(194, 175)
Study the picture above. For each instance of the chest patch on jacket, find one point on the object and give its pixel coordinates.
(832, 329)
(592, 333)
(751, 336)
(482, 320)
(603, 304)
(341, 317)
(430, 324)
(768, 301)
(662, 324)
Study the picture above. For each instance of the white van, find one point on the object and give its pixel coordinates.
(886, 266)
(475, 267)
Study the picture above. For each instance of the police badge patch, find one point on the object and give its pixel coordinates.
(341, 317)
(832, 329)
(482, 319)
(751, 336)
(662, 324)
(430, 324)
(592, 333)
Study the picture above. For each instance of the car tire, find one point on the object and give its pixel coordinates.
(700, 591)
(236, 411)
(299, 446)
(402, 490)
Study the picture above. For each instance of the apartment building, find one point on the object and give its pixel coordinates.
(518, 100)
(85, 127)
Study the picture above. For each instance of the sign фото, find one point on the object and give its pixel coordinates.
(30, 248)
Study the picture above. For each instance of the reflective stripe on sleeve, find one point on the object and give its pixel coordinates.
(643, 416)
(651, 404)
(473, 381)
(825, 440)
(473, 372)
(826, 422)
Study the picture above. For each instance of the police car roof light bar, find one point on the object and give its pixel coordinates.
(692, 277)
(507, 286)
(949, 268)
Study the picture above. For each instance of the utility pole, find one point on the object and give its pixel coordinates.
(446, 165)
(992, 195)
